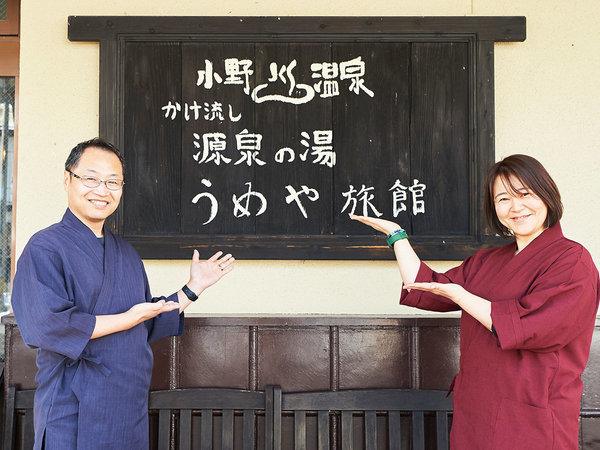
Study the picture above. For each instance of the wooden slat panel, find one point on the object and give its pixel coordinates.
(392, 401)
(351, 401)
(276, 411)
(394, 430)
(164, 429)
(269, 417)
(226, 179)
(206, 432)
(227, 430)
(323, 430)
(185, 428)
(375, 150)
(347, 443)
(208, 400)
(151, 198)
(28, 434)
(300, 430)
(109, 110)
(16, 402)
(418, 430)
(441, 420)
(440, 136)
(293, 120)
(370, 430)
(248, 429)
(9, 422)
(484, 117)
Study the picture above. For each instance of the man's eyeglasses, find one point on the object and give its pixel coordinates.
(93, 182)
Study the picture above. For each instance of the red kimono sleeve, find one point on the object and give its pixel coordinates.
(558, 306)
(433, 302)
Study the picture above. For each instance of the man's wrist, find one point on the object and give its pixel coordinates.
(191, 295)
(195, 287)
(129, 319)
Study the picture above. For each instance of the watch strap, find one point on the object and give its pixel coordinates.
(189, 293)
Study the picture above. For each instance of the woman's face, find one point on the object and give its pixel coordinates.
(522, 212)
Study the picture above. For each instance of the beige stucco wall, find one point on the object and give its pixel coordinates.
(547, 105)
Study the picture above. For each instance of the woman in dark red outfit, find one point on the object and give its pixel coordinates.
(530, 312)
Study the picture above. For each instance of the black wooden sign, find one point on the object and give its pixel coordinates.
(261, 135)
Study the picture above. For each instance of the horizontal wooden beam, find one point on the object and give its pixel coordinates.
(96, 28)
(305, 247)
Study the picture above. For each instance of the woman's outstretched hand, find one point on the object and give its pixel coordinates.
(452, 291)
(477, 307)
(385, 226)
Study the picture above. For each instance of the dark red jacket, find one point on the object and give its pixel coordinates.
(521, 389)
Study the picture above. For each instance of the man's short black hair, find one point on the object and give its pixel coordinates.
(97, 142)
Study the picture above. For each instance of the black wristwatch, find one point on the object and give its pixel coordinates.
(189, 293)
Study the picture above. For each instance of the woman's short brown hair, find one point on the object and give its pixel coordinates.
(530, 172)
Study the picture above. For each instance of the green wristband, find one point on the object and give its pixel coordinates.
(396, 236)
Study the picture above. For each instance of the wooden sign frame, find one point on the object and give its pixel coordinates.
(478, 33)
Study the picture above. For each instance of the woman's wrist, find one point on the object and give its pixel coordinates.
(396, 235)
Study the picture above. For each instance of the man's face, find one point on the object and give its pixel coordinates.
(93, 205)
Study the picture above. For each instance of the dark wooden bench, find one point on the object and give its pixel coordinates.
(238, 419)
(18, 421)
(181, 415)
(366, 419)
(184, 411)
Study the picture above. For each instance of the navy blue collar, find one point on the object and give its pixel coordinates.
(85, 237)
